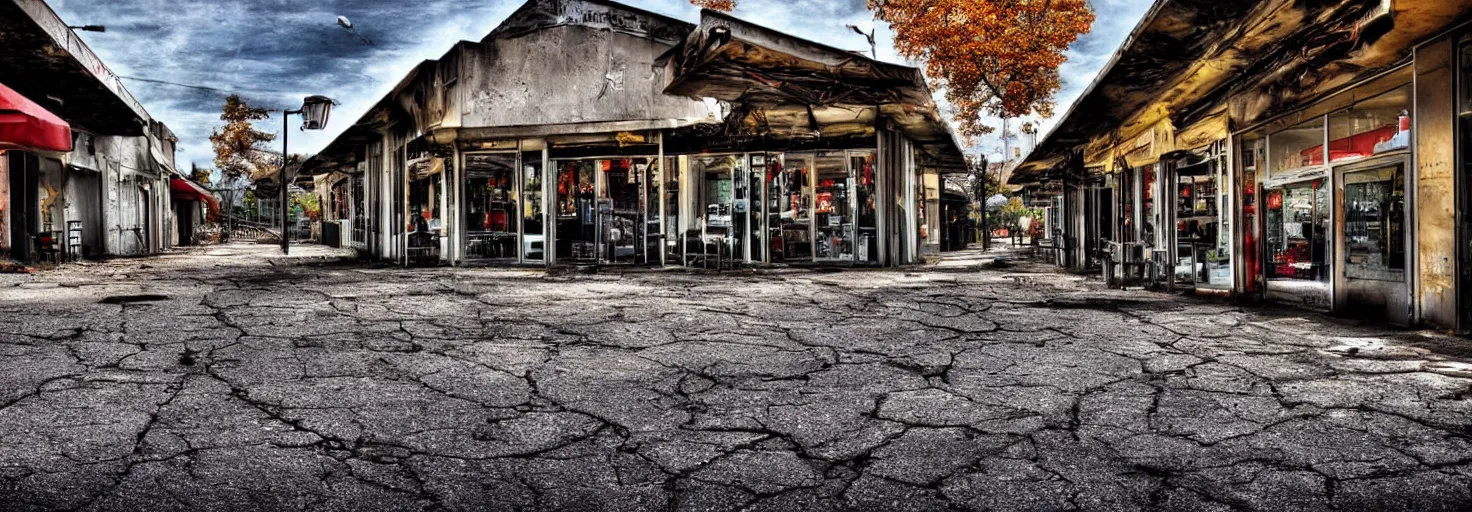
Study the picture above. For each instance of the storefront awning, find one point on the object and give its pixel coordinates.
(790, 87)
(27, 126)
(183, 189)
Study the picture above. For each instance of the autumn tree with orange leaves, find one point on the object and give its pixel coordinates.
(997, 57)
(717, 5)
(992, 57)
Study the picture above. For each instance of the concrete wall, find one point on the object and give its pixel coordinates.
(564, 75)
(1435, 191)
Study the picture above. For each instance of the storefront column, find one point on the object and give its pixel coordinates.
(662, 238)
(550, 177)
(881, 189)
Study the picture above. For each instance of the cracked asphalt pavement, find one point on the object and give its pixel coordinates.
(209, 382)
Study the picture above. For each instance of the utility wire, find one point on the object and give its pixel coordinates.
(199, 87)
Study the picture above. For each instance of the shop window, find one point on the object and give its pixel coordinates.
(653, 217)
(425, 225)
(717, 213)
(359, 210)
(1371, 127)
(339, 200)
(1127, 200)
(1298, 231)
(1198, 222)
(1297, 148)
(1374, 223)
(756, 231)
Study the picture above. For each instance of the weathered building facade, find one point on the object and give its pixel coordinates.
(589, 132)
(109, 195)
(1307, 153)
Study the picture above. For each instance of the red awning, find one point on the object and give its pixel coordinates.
(187, 190)
(25, 125)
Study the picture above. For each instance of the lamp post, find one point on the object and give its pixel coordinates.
(314, 112)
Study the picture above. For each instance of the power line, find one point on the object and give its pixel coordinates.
(199, 87)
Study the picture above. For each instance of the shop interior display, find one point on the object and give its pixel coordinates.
(575, 210)
(1252, 154)
(490, 206)
(833, 220)
(1201, 257)
(789, 208)
(1298, 232)
(620, 216)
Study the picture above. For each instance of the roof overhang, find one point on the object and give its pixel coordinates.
(44, 60)
(785, 87)
(1187, 59)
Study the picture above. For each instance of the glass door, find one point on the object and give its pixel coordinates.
(576, 212)
(861, 168)
(789, 206)
(833, 209)
(620, 216)
(757, 251)
(533, 218)
(490, 206)
(719, 228)
(675, 235)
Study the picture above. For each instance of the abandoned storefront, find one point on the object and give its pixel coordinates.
(85, 171)
(712, 145)
(1335, 190)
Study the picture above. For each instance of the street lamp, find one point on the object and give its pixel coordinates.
(88, 28)
(314, 112)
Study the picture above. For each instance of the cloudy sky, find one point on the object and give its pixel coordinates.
(182, 57)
